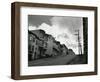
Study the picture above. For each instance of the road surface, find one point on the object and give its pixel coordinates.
(57, 60)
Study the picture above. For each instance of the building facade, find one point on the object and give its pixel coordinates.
(42, 45)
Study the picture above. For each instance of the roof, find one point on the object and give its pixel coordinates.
(39, 30)
(35, 35)
(63, 45)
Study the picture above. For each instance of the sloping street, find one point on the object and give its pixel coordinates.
(57, 60)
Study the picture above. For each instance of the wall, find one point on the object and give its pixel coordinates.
(5, 40)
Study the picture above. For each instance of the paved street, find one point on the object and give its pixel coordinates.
(79, 59)
(58, 60)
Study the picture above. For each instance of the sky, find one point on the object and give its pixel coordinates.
(62, 28)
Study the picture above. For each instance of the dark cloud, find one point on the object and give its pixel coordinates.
(71, 23)
(36, 20)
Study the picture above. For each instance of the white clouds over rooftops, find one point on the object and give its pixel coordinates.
(63, 29)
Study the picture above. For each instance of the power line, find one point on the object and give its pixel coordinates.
(79, 43)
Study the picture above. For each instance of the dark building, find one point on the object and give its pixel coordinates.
(41, 45)
(64, 50)
(71, 52)
(36, 46)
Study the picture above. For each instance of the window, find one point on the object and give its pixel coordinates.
(45, 44)
(30, 48)
(34, 39)
(37, 42)
(30, 38)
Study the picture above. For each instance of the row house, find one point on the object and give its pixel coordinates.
(64, 49)
(36, 46)
(43, 45)
(70, 51)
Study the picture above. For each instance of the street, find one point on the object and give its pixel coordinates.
(57, 60)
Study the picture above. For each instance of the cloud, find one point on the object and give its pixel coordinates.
(63, 29)
(37, 20)
(71, 23)
(64, 35)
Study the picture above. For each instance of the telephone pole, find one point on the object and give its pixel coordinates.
(79, 43)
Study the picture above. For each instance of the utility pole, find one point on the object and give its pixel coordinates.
(79, 43)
